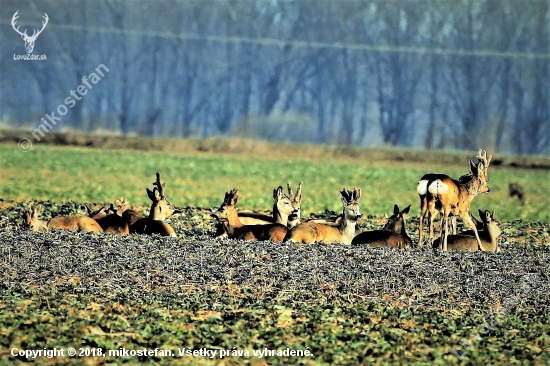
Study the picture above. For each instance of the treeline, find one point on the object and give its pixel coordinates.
(431, 74)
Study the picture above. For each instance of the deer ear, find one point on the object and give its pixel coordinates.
(343, 197)
(278, 193)
(473, 167)
(150, 194)
(395, 210)
(482, 214)
(406, 210)
(37, 210)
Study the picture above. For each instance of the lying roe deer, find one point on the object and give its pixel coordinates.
(489, 237)
(331, 233)
(110, 219)
(73, 223)
(392, 235)
(286, 210)
(160, 209)
(453, 197)
(228, 216)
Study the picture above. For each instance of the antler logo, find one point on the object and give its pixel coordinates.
(29, 41)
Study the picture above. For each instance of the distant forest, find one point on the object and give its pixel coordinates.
(431, 74)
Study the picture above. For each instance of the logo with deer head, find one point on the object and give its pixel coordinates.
(29, 40)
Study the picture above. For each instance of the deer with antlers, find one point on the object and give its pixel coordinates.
(453, 197)
(286, 210)
(229, 217)
(161, 208)
(29, 40)
(331, 233)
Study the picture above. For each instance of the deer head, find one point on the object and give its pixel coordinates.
(296, 200)
(350, 199)
(396, 223)
(161, 207)
(227, 210)
(29, 40)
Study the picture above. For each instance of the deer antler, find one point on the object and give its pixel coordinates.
(231, 196)
(298, 196)
(356, 194)
(482, 157)
(346, 194)
(160, 186)
(13, 21)
(24, 34)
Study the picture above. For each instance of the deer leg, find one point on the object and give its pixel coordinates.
(468, 221)
(431, 216)
(423, 209)
(454, 224)
(444, 222)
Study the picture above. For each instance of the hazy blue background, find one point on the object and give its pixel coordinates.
(454, 74)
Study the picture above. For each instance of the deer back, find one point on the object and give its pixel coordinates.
(75, 223)
(393, 233)
(309, 232)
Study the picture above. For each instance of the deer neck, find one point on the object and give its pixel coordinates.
(472, 188)
(233, 222)
(347, 227)
(278, 217)
(155, 213)
(492, 235)
(42, 225)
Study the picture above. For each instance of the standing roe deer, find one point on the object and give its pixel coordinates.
(331, 233)
(489, 237)
(229, 217)
(453, 197)
(160, 210)
(392, 235)
(73, 223)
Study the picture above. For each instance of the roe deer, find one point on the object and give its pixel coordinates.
(392, 235)
(228, 216)
(331, 233)
(110, 219)
(286, 210)
(516, 189)
(453, 197)
(489, 237)
(160, 209)
(73, 223)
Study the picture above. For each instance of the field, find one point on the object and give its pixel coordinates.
(342, 305)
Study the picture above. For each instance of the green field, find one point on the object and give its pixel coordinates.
(344, 305)
(197, 179)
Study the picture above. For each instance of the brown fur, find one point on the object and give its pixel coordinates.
(160, 210)
(453, 197)
(286, 211)
(343, 232)
(392, 235)
(489, 237)
(73, 223)
(110, 219)
(228, 216)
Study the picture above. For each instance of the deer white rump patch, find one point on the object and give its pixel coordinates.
(422, 187)
(438, 187)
